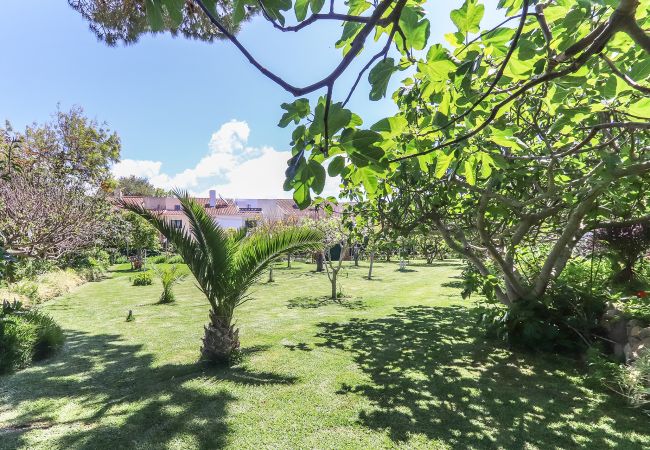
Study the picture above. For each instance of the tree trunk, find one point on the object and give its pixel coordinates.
(333, 281)
(220, 340)
(387, 257)
(372, 259)
(356, 255)
(319, 262)
(288, 260)
(271, 279)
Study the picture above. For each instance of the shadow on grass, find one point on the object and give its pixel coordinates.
(405, 270)
(443, 263)
(125, 398)
(453, 284)
(432, 375)
(318, 302)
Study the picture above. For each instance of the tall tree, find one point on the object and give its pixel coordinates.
(51, 193)
(225, 265)
(133, 185)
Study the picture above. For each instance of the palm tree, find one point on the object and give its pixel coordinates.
(225, 265)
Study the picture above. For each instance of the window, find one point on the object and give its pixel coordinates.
(177, 207)
(177, 223)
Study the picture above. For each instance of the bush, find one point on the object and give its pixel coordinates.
(142, 279)
(175, 259)
(26, 336)
(122, 259)
(564, 320)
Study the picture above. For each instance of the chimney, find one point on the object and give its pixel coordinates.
(213, 198)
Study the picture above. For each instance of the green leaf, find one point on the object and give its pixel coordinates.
(640, 108)
(316, 5)
(361, 146)
(369, 180)
(415, 27)
(393, 126)
(505, 138)
(296, 111)
(300, 8)
(442, 163)
(468, 17)
(317, 173)
(379, 77)
(301, 195)
(336, 166)
(470, 168)
(274, 8)
(338, 117)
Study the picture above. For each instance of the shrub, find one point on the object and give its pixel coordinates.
(159, 259)
(121, 259)
(175, 259)
(564, 319)
(636, 307)
(632, 381)
(26, 336)
(142, 279)
(169, 276)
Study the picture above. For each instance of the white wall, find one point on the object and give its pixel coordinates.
(230, 222)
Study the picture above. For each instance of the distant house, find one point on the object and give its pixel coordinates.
(230, 213)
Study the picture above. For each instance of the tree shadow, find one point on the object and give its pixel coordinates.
(306, 302)
(453, 284)
(430, 374)
(125, 398)
(443, 263)
(405, 270)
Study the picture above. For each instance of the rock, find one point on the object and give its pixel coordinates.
(635, 331)
(611, 313)
(618, 350)
(618, 332)
(633, 323)
(644, 333)
(627, 351)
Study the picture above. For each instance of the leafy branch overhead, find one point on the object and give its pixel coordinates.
(455, 98)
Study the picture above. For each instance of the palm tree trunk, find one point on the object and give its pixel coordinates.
(220, 341)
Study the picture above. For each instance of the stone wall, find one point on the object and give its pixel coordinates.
(629, 336)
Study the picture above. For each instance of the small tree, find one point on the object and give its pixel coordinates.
(142, 235)
(335, 235)
(169, 276)
(225, 265)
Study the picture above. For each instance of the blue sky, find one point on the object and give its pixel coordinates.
(190, 114)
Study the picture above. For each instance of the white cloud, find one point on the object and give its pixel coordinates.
(230, 167)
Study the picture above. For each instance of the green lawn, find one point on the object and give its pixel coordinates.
(398, 364)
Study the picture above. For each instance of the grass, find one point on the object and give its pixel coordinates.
(396, 363)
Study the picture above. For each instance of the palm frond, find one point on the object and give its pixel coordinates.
(259, 250)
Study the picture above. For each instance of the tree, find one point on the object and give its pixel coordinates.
(52, 194)
(133, 185)
(431, 245)
(43, 218)
(116, 21)
(335, 238)
(225, 265)
(169, 276)
(141, 234)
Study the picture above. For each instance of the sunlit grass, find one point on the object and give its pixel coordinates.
(398, 362)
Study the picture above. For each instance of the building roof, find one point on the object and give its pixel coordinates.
(229, 207)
